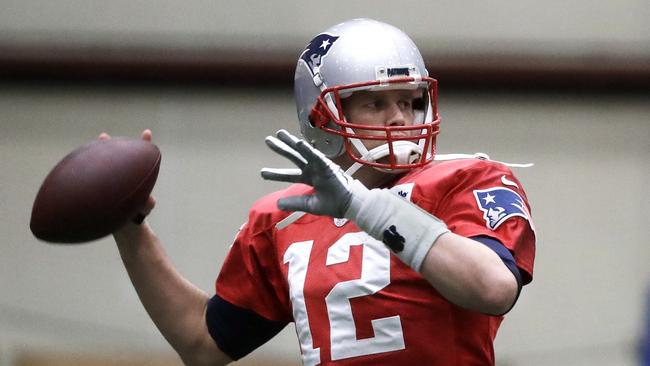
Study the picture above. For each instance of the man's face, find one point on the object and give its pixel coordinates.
(382, 108)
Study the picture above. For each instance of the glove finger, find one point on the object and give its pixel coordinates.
(295, 143)
(282, 175)
(285, 150)
(286, 137)
(295, 203)
(312, 155)
(307, 151)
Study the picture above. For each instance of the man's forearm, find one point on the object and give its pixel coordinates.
(469, 274)
(175, 305)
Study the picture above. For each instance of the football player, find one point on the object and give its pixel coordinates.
(386, 254)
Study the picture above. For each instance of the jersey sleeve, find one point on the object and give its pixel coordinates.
(485, 199)
(238, 331)
(250, 277)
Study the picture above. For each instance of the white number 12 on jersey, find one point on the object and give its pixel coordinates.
(375, 275)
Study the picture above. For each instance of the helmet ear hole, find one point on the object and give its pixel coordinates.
(310, 119)
(318, 118)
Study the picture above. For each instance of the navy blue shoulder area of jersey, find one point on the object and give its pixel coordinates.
(238, 331)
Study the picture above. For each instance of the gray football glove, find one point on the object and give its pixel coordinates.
(334, 189)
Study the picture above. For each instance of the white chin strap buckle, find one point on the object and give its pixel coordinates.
(405, 152)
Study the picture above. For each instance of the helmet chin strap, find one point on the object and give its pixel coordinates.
(406, 152)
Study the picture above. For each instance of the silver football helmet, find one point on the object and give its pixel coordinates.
(365, 54)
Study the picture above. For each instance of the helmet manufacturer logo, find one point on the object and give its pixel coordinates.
(316, 50)
(340, 222)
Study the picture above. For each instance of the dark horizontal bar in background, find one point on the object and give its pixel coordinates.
(254, 68)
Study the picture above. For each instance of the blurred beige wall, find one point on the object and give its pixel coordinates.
(574, 26)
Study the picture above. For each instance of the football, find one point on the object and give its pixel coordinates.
(95, 190)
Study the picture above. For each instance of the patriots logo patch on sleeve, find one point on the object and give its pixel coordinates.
(499, 204)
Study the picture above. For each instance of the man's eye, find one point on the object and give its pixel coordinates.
(418, 103)
(376, 104)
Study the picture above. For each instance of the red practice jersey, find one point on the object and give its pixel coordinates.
(354, 302)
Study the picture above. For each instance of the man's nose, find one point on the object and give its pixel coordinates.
(396, 116)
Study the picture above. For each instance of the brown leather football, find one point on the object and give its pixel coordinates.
(95, 190)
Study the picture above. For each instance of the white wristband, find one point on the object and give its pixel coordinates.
(405, 228)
